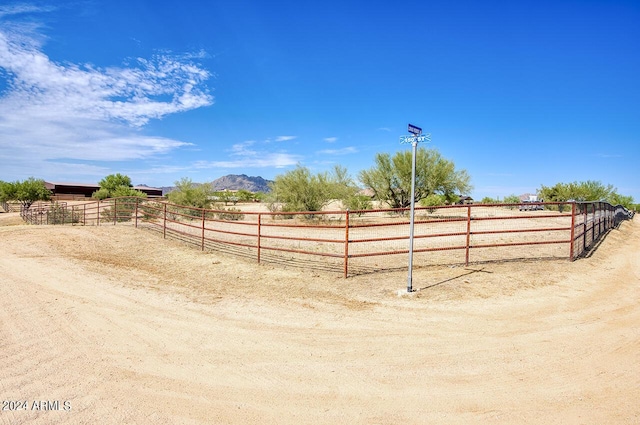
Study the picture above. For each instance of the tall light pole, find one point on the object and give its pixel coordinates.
(414, 140)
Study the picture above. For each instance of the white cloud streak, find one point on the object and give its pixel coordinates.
(53, 111)
(285, 138)
(244, 155)
(268, 160)
(343, 151)
(330, 139)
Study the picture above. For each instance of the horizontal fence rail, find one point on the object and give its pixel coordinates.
(357, 242)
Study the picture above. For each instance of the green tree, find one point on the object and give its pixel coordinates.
(260, 196)
(589, 190)
(578, 191)
(26, 192)
(625, 201)
(359, 202)
(390, 177)
(244, 195)
(489, 200)
(117, 185)
(7, 191)
(188, 193)
(511, 199)
(434, 200)
(556, 193)
(300, 190)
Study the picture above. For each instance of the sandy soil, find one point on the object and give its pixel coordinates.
(112, 324)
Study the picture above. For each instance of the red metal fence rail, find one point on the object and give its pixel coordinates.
(357, 242)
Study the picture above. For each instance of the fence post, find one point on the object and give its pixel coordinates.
(259, 234)
(98, 213)
(573, 229)
(115, 210)
(346, 244)
(584, 226)
(84, 214)
(466, 261)
(595, 217)
(164, 222)
(136, 212)
(202, 243)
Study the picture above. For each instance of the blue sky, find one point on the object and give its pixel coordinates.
(518, 93)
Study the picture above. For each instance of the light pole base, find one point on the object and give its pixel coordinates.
(404, 293)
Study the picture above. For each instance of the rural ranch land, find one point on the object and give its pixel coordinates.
(122, 326)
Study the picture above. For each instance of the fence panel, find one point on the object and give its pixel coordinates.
(357, 242)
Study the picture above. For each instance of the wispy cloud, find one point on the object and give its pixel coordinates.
(342, 151)
(499, 174)
(266, 160)
(285, 138)
(245, 155)
(23, 8)
(608, 155)
(387, 129)
(243, 149)
(62, 111)
(330, 139)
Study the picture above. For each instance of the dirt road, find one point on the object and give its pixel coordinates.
(112, 324)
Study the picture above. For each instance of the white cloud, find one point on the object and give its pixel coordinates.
(343, 151)
(608, 155)
(20, 9)
(242, 149)
(59, 111)
(246, 155)
(330, 139)
(285, 138)
(262, 160)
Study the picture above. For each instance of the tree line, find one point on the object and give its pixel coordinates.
(438, 182)
(586, 191)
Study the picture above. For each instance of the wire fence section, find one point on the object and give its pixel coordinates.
(358, 242)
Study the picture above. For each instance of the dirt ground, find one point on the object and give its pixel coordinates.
(112, 324)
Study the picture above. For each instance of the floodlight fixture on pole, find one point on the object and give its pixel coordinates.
(414, 140)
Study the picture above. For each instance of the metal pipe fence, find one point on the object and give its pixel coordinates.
(358, 242)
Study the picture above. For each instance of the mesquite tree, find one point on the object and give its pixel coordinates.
(26, 192)
(390, 177)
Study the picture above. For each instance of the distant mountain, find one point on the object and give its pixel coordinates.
(234, 182)
(166, 189)
(241, 181)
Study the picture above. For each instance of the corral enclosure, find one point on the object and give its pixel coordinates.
(356, 242)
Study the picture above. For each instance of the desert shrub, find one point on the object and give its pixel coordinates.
(190, 194)
(232, 214)
(151, 210)
(359, 202)
(489, 200)
(61, 214)
(121, 210)
(433, 200)
(511, 199)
